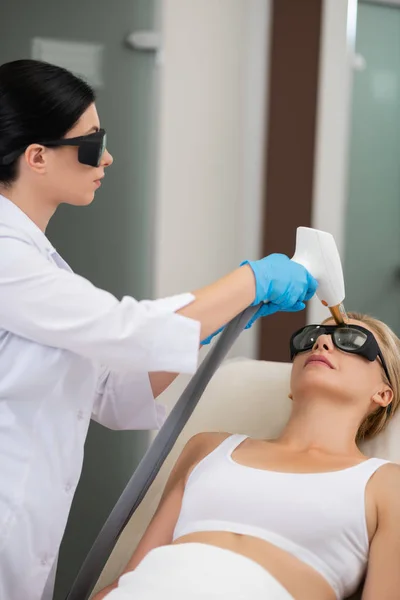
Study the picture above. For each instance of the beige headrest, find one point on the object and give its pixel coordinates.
(244, 396)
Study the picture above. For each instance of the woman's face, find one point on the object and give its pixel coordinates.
(347, 377)
(68, 180)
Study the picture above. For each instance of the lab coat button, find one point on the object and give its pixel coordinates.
(68, 487)
(80, 415)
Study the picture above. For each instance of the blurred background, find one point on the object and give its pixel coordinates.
(231, 123)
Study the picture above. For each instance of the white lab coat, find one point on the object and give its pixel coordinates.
(68, 352)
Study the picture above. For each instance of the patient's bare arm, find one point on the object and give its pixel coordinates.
(162, 525)
(383, 575)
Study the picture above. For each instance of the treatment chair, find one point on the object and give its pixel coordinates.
(244, 396)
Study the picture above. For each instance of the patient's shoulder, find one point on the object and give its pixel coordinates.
(384, 488)
(386, 484)
(198, 447)
(205, 442)
(387, 474)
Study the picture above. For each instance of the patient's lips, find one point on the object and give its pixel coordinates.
(319, 360)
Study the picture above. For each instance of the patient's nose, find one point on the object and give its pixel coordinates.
(324, 342)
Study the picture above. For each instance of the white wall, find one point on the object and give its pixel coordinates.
(213, 83)
(333, 125)
(212, 127)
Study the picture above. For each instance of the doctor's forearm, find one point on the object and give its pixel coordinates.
(215, 305)
(220, 302)
(160, 381)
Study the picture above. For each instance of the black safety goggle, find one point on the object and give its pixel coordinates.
(349, 338)
(91, 148)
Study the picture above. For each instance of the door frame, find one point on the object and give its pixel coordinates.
(322, 199)
(291, 137)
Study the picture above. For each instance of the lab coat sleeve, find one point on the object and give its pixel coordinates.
(55, 307)
(126, 401)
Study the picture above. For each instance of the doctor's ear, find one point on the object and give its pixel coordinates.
(35, 158)
(290, 396)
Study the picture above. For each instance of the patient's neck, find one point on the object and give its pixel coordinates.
(318, 426)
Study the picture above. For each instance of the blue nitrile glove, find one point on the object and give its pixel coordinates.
(281, 284)
(281, 281)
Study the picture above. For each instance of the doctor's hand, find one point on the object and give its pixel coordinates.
(281, 285)
(282, 282)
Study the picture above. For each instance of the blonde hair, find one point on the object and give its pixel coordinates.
(389, 344)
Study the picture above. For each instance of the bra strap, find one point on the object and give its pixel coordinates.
(371, 466)
(232, 442)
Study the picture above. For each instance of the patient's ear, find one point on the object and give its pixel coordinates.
(384, 397)
(290, 396)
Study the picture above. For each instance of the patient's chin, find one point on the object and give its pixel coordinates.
(317, 372)
(317, 381)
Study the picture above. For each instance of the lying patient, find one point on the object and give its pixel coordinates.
(305, 516)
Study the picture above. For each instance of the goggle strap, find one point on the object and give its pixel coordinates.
(90, 138)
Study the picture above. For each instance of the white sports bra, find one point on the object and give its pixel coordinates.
(317, 517)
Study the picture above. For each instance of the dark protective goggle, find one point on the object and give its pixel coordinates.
(349, 338)
(91, 148)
